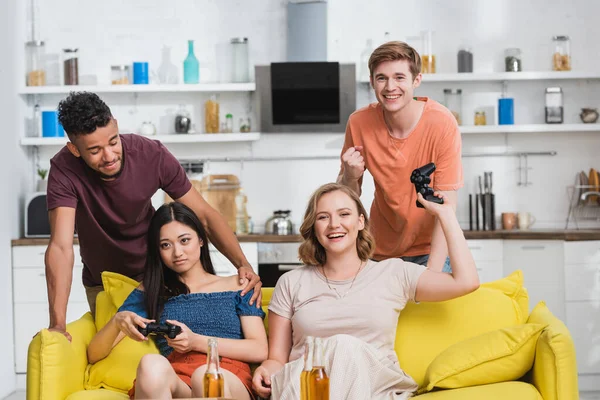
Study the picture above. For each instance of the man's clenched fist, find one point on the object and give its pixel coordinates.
(354, 163)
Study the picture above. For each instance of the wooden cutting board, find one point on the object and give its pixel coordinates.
(219, 191)
(594, 183)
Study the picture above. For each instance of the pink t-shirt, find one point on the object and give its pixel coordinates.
(369, 311)
(112, 217)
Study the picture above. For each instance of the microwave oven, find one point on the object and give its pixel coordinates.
(37, 223)
(305, 96)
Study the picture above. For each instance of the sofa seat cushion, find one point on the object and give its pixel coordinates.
(494, 391)
(100, 394)
(427, 329)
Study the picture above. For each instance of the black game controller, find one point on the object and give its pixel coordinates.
(420, 177)
(162, 329)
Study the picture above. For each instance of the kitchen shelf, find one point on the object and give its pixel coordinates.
(532, 128)
(182, 138)
(201, 87)
(507, 76)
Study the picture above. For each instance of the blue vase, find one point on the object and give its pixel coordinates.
(191, 66)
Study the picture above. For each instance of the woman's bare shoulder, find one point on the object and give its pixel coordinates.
(231, 283)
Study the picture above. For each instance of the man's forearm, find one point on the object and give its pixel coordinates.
(59, 275)
(221, 235)
(353, 184)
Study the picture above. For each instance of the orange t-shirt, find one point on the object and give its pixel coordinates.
(399, 227)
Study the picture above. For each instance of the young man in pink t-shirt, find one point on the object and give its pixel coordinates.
(393, 137)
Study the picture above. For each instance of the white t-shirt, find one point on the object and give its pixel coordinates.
(369, 311)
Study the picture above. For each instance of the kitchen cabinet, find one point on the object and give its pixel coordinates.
(542, 263)
(224, 267)
(582, 295)
(30, 297)
(488, 256)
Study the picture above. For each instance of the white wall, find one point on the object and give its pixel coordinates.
(12, 165)
(136, 30)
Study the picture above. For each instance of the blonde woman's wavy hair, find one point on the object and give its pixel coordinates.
(311, 252)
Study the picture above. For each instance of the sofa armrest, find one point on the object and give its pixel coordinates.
(55, 367)
(554, 371)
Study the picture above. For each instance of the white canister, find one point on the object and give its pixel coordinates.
(239, 58)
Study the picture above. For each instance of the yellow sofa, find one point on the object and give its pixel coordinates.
(485, 345)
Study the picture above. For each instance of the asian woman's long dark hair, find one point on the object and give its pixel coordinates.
(161, 282)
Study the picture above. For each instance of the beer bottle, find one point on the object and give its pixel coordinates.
(214, 384)
(308, 362)
(318, 383)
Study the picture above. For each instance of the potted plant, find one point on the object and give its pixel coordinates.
(42, 183)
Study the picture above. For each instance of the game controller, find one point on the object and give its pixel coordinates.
(420, 178)
(161, 329)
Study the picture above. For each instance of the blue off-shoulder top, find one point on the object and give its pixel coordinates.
(211, 314)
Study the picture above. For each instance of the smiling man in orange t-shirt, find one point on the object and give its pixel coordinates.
(391, 138)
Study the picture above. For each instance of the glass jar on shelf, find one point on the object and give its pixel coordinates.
(465, 60)
(554, 105)
(427, 54)
(36, 69)
(480, 118)
(229, 123)
(211, 115)
(245, 126)
(71, 66)
(512, 60)
(561, 58)
(183, 120)
(119, 74)
(453, 102)
(239, 56)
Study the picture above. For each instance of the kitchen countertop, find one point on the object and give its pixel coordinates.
(550, 234)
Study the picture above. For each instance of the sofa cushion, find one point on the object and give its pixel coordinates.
(498, 356)
(116, 371)
(48, 354)
(426, 329)
(494, 391)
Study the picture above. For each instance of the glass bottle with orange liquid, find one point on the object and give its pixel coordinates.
(318, 381)
(214, 384)
(308, 362)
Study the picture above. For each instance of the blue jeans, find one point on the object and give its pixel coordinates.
(422, 260)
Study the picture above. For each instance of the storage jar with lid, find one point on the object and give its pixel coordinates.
(71, 66)
(561, 58)
(453, 102)
(512, 60)
(36, 69)
(480, 118)
(211, 115)
(554, 105)
(119, 74)
(239, 59)
(464, 59)
(427, 53)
